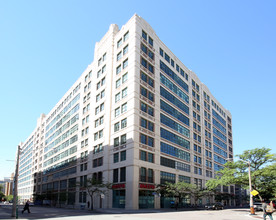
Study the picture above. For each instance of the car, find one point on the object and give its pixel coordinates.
(258, 206)
(214, 206)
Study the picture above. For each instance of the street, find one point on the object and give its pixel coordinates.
(110, 214)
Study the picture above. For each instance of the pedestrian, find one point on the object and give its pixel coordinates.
(26, 207)
(267, 210)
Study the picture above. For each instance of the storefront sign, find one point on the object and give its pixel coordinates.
(117, 186)
(146, 186)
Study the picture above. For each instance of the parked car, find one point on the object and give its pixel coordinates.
(258, 206)
(214, 206)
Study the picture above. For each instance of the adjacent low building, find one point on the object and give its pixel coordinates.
(136, 117)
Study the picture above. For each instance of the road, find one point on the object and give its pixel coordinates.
(115, 214)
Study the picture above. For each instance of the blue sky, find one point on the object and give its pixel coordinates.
(46, 45)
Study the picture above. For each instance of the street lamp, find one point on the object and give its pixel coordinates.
(252, 211)
(15, 192)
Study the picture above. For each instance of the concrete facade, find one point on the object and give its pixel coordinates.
(136, 117)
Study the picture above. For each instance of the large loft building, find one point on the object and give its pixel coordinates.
(136, 117)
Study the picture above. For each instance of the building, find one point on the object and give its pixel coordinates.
(136, 117)
(9, 185)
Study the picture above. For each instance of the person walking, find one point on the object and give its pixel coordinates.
(26, 207)
(267, 210)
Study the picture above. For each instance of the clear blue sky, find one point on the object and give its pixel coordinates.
(46, 45)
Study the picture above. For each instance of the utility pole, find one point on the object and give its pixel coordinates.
(252, 211)
(15, 199)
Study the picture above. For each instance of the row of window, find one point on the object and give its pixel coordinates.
(170, 85)
(174, 125)
(124, 65)
(174, 138)
(147, 65)
(119, 156)
(147, 51)
(121, 109)
(124, 39)
(173, 76)
(123, 125)
(121, 81)
(120, 140)
(122, 53)
(172, 99)
(147, 38)
(174, 113)
(147, 79)
(171, 61)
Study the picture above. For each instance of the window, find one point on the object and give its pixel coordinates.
(119, 56)
(99, 73)
(97, 110)
(146, 140)
(116, 158)
(116, 127)
(123, 139)
(123, 155)
(146, 124)
(167, 57)
(143, 174)
(117, 97)
(124, 108)
(147, 109)
(122, 174)
(150, 41)
(98, 85)
(118, 69)
(104, 57)
(118, 83)
(115, 175)
(123, 123)
(125, 63)
(125, 50)
(146, 156)
(119, 43)
(124, 78)
(124, 92)
(103, 81)
(98, 97)
(116, 142)
(126, 36)
(144, 35)
(101, 120)
(117, 111)
(161, 52)
(172, 62)
(102, 107)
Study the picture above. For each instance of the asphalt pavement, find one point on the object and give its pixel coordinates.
(45, 213)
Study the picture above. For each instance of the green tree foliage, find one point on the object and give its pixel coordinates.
(94, 186)
(263, 172)
(8, 198)
(180, 190)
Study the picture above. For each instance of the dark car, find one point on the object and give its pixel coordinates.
(258, 206)
(214, 206)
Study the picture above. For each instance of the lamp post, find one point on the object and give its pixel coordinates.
(15, 192)
(252, 211)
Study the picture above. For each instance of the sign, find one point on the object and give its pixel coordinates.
(117, 186)
(102, 195)
(146, 186)
(254, 192)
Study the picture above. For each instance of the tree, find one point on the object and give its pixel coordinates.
(8, 198)
(198, 193)
(263, 172)
(177, 190)
(94, 186)
(181, 189)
